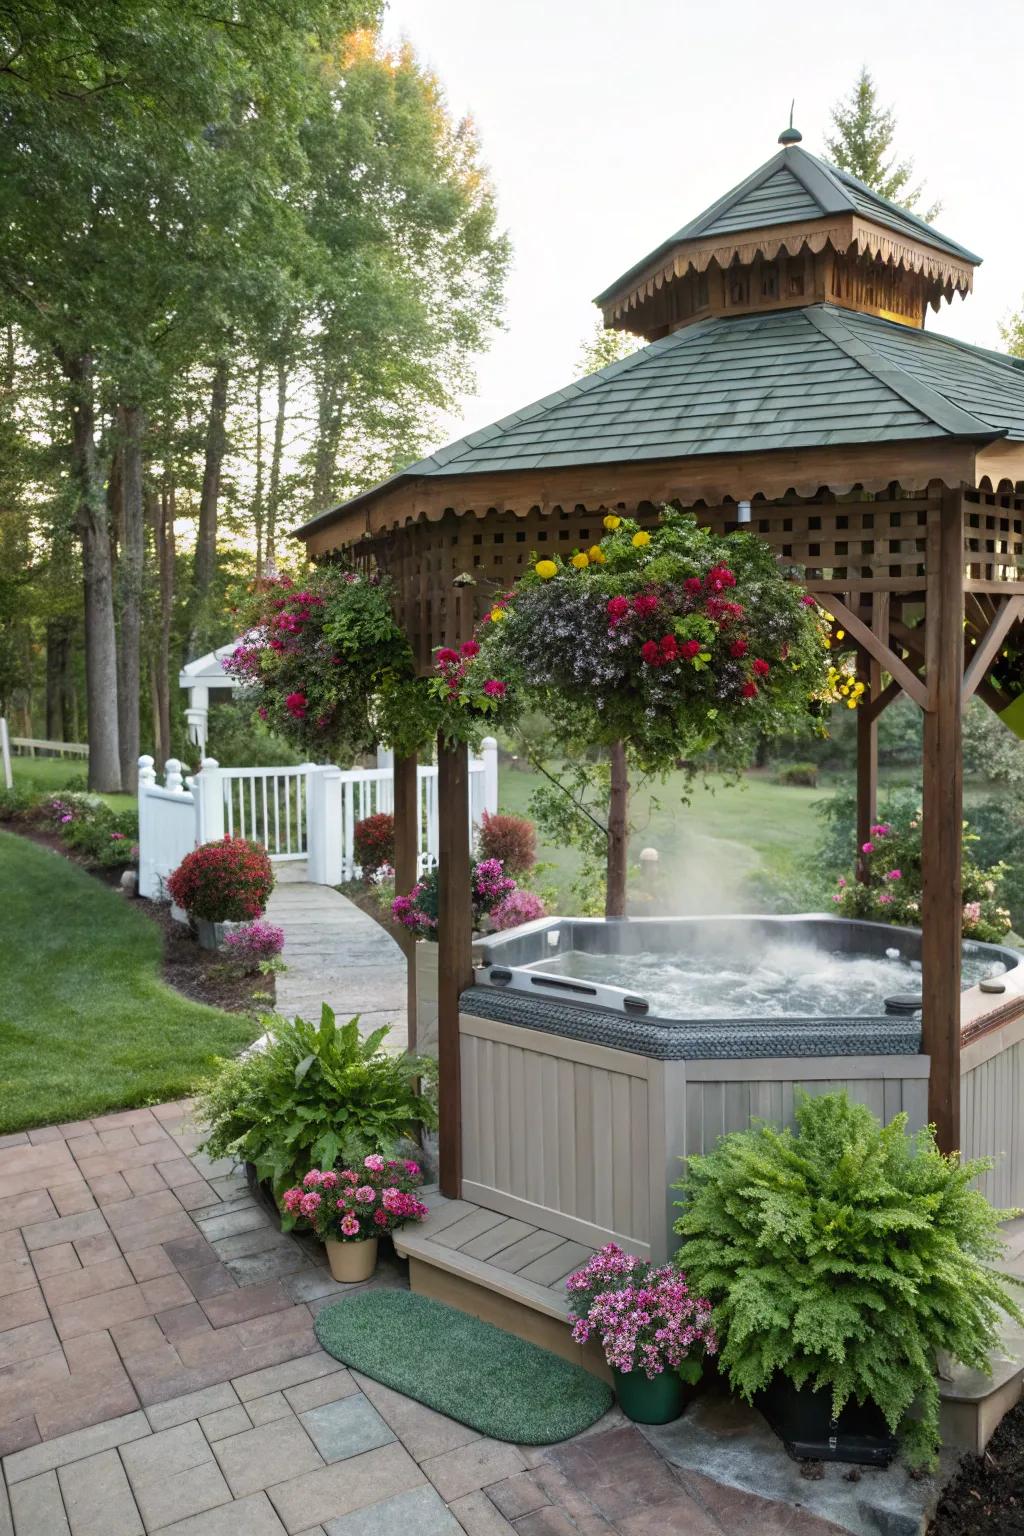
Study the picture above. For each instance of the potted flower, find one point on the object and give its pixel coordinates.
(842, 1261)
(351, 1209)
(655, 1333)
(220, 883)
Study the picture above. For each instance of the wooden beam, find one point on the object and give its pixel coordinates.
(877, 703)
(455, 952)
(407, 869)
(985, 652)
(941, 905)
(877, 648)
(867, 769)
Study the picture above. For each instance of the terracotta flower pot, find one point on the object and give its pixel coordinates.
(352, 1261)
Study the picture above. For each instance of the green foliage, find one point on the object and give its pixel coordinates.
(847, 1256)
(316, 1095)
(863, 145)
(604, 347)
(801, 774)
(238, 738)
(103, 836)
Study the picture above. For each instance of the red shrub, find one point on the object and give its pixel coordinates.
(374, 840)
(224, 882)
(512, 839)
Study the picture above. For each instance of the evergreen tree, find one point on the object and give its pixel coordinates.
(863, 145)
(604, 347)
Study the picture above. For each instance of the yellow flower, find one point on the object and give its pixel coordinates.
(840, 634)
(597, 555)
(546, 569)
(612, 522)
(580, 561)
(640, 539)
(497, 614)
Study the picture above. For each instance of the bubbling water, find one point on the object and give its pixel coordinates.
(784, 981)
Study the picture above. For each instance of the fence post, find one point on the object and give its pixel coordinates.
(147, 877)
(208, 795)
(323, 826)
(489, 753)
(5, 753)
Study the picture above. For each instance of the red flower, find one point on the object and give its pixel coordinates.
(651, 653)
(718, 578)
(738, 649)
(645, 604)
(689, 649)
(295, 704)
(809, 602)
(618, 607)
(750, 690)
(495, 689)
(669, 648)
(470, 648)
(761, 668)
(693, 583)
(446, 657)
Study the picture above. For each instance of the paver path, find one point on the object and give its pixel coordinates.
(338, 955)
(159, 1373)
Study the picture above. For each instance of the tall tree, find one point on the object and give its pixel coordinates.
(604, 347)
(863, 145)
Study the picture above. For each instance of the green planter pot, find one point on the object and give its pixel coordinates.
(652, 1402)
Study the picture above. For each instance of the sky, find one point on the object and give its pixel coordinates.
(606, 126)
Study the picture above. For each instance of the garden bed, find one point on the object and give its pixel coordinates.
(986, 1497)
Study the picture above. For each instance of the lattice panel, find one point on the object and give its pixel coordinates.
(994, 536)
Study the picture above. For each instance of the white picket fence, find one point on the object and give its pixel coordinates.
(307, 812)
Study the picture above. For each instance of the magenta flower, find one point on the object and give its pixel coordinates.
(312, 1178)
(309, 1204)
(374, 1162)
(366, 1194)
(350, 1225)
(894, 874)
(867, 847)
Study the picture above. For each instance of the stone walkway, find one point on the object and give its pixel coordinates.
(159, 1373)
(337, 954)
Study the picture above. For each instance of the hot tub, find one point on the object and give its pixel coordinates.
(595, 1055)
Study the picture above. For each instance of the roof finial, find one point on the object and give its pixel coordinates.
(790, 135)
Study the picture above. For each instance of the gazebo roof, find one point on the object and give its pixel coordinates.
(789, 379)
(794, 187)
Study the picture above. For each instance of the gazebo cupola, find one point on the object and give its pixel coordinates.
(797, 231)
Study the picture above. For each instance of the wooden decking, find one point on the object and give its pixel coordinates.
(503, 1270)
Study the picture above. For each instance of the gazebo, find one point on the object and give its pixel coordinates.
(206, 683)
(789, 386)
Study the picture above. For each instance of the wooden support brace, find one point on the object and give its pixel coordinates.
(880, 702)
(986, 649)
(882, 653)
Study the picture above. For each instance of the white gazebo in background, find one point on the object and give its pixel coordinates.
(207, 684)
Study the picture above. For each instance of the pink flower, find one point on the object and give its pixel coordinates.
(328, 1180)
(374, 1162)
(470, 648)
(309, 1204)
(885, 898)
(350, 1177)
(313, 1178)
(495, 689)
(867, 847)
(809, 602)
(380, 1217)
(412, 1169)
(366, 1194)
(894, 874)
(350, 1225)
(291, 1199)
(882, 829)
(841, 881)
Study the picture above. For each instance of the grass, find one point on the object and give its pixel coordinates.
(460, 1366)
(47, 775)
(86, 1024)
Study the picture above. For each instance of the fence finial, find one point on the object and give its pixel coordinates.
(172, 775)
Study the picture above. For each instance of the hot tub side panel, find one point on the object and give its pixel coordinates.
(991, 1099)
(585, 1141)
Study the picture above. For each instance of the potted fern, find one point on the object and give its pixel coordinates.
(840, 1261)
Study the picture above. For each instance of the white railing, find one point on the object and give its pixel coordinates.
(307, 812)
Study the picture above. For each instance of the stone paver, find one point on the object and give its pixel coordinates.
(159, 1374)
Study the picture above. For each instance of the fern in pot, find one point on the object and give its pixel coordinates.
(840, 1261)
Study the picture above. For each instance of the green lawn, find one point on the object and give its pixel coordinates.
(50, 774)
(86, 1025)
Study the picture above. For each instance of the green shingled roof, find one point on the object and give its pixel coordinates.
(798, 378)
(792, 186)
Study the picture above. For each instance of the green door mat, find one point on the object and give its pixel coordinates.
(471, 1371)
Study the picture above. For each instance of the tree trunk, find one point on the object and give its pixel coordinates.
(131, 423)
(164, 542)
(328, 436)
(94, 531)
(209, 496)
(58, 658)
(274, 489)
(618, 833)
(257, 495)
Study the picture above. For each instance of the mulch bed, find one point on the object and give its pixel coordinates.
(986, 1497)
(200, 974)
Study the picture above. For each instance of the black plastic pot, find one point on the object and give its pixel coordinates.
(802, 1419)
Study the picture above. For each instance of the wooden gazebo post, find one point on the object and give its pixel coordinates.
(454, 960)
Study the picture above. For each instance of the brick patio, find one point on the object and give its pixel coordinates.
(159, 1373)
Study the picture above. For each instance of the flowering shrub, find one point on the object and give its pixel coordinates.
(676, 641)
(891, 889)
(353, 1204)
(512, 839)
(223, 882)
(519, 906)
(88, 826)
(418, 911)
(374, 843)
(254, 942)
(465, 687)
(646, 1318)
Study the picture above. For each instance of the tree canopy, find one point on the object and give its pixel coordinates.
(863, 145)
